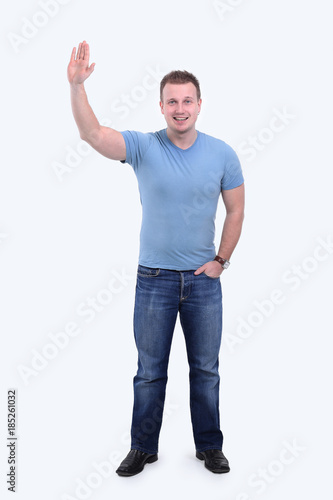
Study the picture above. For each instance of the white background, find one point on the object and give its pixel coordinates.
(62, 238)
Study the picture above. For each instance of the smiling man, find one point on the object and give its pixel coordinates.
(181, 106)
(181, 173)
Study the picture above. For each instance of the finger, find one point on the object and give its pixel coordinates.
(73, 54)
(79, 51)
(83, 49)
(91, 68)
(199, 270)
(86, 53)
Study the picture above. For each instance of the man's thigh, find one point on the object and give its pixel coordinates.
(201, 319)
(156, 309)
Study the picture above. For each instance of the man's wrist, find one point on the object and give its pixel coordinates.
(77, 87)
(224, 262)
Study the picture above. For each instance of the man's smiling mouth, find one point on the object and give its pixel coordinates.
(180, 119)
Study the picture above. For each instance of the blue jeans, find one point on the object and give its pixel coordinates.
(160, 295)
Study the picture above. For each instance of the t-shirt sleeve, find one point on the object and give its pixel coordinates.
(137, 144)
(233, 176)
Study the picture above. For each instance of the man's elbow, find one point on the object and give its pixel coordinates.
(92, 138)
(238, 215)
(83, 136)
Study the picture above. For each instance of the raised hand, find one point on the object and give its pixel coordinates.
(78, 68)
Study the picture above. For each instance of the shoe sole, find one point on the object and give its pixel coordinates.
(150, 460)
(216, 471)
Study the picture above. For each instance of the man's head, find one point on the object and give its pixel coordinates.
(179, 77)
(180, 101)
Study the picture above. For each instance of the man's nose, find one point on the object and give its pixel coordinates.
(179, 108)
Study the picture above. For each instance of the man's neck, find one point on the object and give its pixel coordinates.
(182, 141)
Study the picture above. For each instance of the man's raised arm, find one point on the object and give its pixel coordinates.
(105, 140)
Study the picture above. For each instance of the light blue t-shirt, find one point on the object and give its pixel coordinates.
(179, 191)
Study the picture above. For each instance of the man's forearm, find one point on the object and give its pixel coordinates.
(84, 116)
(232, 229)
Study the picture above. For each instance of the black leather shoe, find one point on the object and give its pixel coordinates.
(215, 461)
(135, 462)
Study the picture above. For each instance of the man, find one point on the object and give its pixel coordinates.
(180, 173)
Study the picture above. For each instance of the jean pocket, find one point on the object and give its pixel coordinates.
(211, 277)
(147, 272)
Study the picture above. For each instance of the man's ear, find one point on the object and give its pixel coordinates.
(162, 108)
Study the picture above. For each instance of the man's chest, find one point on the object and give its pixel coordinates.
(177, 174)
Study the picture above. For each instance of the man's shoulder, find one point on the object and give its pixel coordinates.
(140, 132)
(148, 136)
(219, 147)
(142, 139)
(212, 140)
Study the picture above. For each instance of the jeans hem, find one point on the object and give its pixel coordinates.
(144, 451)
(209, 448)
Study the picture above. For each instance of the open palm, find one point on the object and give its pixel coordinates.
(78, 68)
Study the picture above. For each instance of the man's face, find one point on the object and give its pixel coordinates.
(180, 106)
